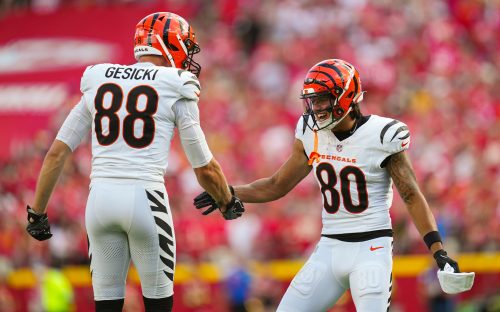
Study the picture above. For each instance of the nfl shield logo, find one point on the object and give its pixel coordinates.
(339, 148)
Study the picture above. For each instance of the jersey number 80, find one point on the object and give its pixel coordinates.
(328, 187)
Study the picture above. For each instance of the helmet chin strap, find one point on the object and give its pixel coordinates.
(169, 56)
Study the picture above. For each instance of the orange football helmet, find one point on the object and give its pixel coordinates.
(335, 80)
(167, 34)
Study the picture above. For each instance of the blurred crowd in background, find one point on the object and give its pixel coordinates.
(431, 64)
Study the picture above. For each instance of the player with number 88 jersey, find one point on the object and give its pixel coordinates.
(131, 112)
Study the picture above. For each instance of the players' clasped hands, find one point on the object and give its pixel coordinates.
(234, 209)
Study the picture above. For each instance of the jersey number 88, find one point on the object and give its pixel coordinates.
(134, 114)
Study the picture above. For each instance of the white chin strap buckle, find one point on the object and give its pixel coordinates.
(455, 283)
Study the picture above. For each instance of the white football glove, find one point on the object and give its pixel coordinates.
(454, 283)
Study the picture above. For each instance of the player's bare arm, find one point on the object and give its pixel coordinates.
(265, 189)
(214, 182)
(403, 176)
(38, 222)
(281, 182)
(51, 170)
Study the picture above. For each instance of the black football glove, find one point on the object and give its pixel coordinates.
(442, 259)
(205, 200)
(234, 209)
(38, 225)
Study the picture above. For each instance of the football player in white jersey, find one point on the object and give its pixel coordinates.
(131, 111)
(355, 160)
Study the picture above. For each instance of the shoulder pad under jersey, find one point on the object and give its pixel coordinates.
(92, 75)
(189, 86)
(85, 81)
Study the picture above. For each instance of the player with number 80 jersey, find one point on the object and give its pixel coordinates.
(351, 173)
(355, 159)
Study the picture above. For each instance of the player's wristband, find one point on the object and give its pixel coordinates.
(431, 238)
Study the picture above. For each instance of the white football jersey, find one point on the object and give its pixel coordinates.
(356, 189)
(131, 115)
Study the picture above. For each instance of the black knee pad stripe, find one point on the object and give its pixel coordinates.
(109, 305)
(158, 305)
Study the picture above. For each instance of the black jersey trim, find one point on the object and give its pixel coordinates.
(405, 136)
(342, 135)
(385, 161)
(360, 237)
(193, 83)
(386, 127)
(400, 129)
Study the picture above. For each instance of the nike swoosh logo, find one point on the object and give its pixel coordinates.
(404, 144)
(197, 94)
(375, 248)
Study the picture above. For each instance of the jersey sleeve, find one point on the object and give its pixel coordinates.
(190, 87)
(395, 137)
(76, 126)
(85, 81)
(187, 120)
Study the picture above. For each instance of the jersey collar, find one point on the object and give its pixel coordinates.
(345, 134)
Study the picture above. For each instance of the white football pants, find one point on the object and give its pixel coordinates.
(335, 266)
(130, 220)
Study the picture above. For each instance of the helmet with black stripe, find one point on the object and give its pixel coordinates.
(333, 81)
(168, 35)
